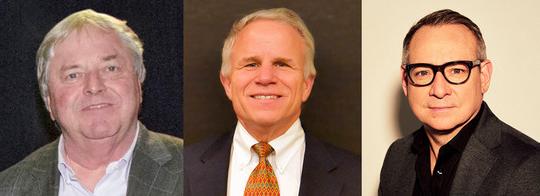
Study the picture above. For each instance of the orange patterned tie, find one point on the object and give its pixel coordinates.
(262, 181)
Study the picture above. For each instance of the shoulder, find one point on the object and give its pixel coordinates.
(342, 157)
(517, 157)
(161, 148)
(170, 142)
(519, 150)
(19, 175)
(514, 141)
(213, 143)
(347, 165)
(525, 175)
(502, 138)
(399, 148)
(399, 159)
(332, 164)
(507, 143)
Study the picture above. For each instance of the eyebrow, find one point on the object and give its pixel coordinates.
(248, 59)
(256, 59)
(285, 60)
(109, 57)
(68, 67)
(74, 66)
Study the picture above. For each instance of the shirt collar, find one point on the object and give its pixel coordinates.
(285, 146)
(123, 162)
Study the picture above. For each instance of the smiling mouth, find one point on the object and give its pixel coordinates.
(265, 97)
(97, 106)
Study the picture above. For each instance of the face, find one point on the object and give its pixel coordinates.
(443, 106)
(93, 89)
(266, 83)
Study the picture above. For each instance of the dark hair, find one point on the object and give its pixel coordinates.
(443, 17)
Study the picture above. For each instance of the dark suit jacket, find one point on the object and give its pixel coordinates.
(156, 169)
(497, 160)
(326, 170)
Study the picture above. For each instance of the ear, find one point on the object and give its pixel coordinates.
(404, 81)
(308, 85)
(47, 101)
(139, 89)
(226, 82)
(486, 68)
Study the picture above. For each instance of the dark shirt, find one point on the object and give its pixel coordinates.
(440, 182)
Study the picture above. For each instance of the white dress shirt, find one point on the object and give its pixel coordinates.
(286, 160)
(113, 183)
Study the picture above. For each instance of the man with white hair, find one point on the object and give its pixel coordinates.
(267, 72)
(90, 72)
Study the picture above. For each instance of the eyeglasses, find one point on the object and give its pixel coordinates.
(455, 72)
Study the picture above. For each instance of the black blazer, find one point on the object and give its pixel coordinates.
(497, 160)
(326, 170)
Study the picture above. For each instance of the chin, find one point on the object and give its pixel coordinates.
(443, 125)
(100, 130)
(265, 121)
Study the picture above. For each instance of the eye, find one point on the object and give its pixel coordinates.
(251, 65)
(72, 76)
(112, 68)
(281, 64)
(457, 71)
(421, 73)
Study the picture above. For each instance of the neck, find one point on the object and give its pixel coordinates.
(89, 158)
(95, 153)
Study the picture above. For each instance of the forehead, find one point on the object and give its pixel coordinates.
(88, 42)
(442, 43)
(269, 36)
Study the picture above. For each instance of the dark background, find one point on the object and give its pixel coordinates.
(24, 122)
(332, 113)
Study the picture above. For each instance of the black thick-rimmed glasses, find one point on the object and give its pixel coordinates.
(455, 72)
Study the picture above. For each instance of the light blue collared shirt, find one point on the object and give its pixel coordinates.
(113, 183)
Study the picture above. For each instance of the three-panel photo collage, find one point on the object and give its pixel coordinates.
(269, 98)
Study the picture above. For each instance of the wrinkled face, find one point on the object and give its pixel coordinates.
(266, 83)
(441, 105)
(94, 92)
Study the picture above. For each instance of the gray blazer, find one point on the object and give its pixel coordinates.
(327, 171)
(156, 169)
(498, 160)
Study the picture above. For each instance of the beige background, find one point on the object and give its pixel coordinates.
(512, 35)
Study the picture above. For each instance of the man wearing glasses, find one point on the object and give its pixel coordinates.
(462, 147)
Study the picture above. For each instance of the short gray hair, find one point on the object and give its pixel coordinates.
(75, 22)
(278, 14)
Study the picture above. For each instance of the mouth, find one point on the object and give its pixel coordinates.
(97, 106)
(265, 97)
(440, 108)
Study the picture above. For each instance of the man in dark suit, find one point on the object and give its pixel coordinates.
(267, 72)
(90, 72)
(462, 147)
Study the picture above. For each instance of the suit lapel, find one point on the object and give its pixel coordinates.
(478, 158)
(148, 174)
(317, 178)
(213, 167)
(407, 176)
(45, 174)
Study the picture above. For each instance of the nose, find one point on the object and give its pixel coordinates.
(94, 84)
(266, 75)
(440, 87)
